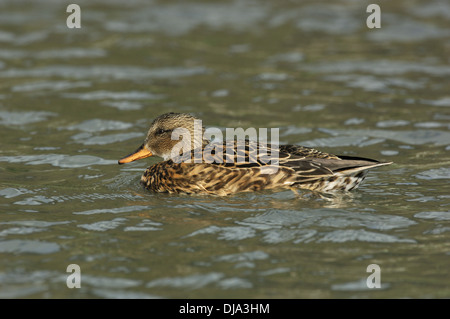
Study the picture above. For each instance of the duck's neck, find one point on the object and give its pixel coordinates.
(198, 139)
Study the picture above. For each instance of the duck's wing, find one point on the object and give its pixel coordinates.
(304, 163)
(239, 155)
(235, 154)
(303, 151)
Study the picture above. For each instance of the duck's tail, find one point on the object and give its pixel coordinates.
(343, 174)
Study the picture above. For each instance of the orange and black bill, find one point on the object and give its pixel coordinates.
(141, 152)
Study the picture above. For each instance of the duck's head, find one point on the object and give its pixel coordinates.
(165, 132)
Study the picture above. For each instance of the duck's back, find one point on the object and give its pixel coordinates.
(248, 170)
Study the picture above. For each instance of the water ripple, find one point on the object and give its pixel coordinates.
(28, 246)
(340, 236)
(195, 281)
(104, 225)
(112, 72)
(355, 137)
(103, 95)
(98, 125)
(115, 210)
(20, 118)
(59, 160)
(380, 67)
(282, 226)
(436, 173)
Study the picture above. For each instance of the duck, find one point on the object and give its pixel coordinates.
(200, 166)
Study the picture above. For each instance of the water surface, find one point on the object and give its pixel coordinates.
(74, 101)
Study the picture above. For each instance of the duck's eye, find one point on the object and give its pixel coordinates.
(162, 131)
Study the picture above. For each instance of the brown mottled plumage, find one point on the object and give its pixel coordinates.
(228, 168)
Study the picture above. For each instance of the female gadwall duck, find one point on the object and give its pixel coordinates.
(200, 166)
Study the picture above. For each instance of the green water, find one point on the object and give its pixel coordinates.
(74, 101)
